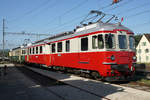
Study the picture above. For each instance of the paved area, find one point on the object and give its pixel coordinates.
(110, 91)
(17, 86)
(9, 65)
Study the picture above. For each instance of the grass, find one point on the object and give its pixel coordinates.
(4, 62)
(144, 81)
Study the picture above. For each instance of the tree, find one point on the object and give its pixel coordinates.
(137, 39)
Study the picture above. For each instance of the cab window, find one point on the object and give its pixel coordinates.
(122, 41)
(110, 41)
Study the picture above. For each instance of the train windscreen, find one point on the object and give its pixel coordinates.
(122, 41)
(110, 41)
(131, 42)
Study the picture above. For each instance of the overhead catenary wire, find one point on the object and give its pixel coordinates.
(40, 11)
(88, 14)
(62, 25)
(121, 5)
(68, 11)
(46, 8)
(30, 11)
(134, 8)
(109, 5)
(82, 16)
(137, 25)
(125, 3)
(139, 13)
(73, 8)
(66, 23)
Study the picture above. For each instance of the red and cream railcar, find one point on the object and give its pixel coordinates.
(97, 47)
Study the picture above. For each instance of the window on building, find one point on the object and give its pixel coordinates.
(139, 51)
(147, 58)
(59, 47)
(146, 50)
(67, 46)
(143, 43)
(36, 50)
(53, 48)
(41, 49)
(140, 58)
(84, 44)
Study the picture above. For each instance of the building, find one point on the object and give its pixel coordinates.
(143, 49)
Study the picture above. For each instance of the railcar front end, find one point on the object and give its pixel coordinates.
(119, 56)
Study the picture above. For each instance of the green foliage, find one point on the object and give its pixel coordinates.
(6, 53)
(145, 81)
(137, 39)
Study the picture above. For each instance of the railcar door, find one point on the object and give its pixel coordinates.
(52, 53)
(27, 55)
(83, 50)
(46, 54)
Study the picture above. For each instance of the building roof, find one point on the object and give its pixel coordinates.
(147, 36)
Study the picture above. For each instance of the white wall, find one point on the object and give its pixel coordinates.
(143, 54)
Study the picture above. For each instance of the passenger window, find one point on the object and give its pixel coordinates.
(59, 47)
(100, 42)
(41, 49)
(30, 50)
(67, 46)
(97, 42)
(33, 50)
(53, 48)
(23, 52)
(36, 50)
(94, 42)
(84, 44)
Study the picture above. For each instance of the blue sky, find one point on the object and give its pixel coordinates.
(54, 16)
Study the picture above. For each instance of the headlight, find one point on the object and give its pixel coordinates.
(134, 58)
(112, 57)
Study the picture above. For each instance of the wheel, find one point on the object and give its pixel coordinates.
(96, 75)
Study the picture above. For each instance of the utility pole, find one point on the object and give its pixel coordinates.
(3, 38)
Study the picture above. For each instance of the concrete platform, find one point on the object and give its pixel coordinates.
(8, 65)
(15, 86)
(106, 90)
